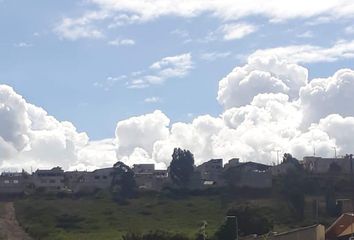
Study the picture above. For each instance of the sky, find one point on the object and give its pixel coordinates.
(86, 83)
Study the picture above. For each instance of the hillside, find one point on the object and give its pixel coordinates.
(101, 218)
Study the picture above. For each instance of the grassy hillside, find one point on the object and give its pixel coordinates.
(101, 218)
(104, 219)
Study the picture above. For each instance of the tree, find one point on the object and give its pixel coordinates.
(181, 167)
(123, 184)
(246, 220)
(288, 158)
(293, 190)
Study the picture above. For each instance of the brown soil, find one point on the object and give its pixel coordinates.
(9, 227)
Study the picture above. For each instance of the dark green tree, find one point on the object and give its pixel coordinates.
(228, 230)
(293, 187)
(250, 220)
(288, 158)
(123, 184)
(181, 167)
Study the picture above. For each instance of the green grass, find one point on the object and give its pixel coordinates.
(101, 218)
(104, 219)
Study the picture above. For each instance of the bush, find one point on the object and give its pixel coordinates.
(250, 220)
(67, 221)
(157, 235)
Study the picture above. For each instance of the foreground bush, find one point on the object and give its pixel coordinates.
(157, 235)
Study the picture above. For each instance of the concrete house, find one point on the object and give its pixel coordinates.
(13, 183)
(148, 178)
(321, 165)
(88, 182)
(282, 168)
(211, 172)
(49, 180)
(143, 168)
(252, 175)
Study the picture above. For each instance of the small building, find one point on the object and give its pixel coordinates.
(13, 183)
(49, 180)
(234, 162)
(315, 232)
(143, 168)
(282, 168)
(319, 165)
(211, 172)
(88, 182)
(342, 228)
(251, 175)
(147, 178)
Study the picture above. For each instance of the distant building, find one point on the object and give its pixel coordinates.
(211, 172)
(49, 180)
(143, 168)
(86, 182)
(147, 178)
(315, 232)
(251, 175)
(13, 182)
(321, 165)
(283, 168)
(234, 162)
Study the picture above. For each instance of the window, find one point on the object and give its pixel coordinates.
(15, 181)
(52, 180)
(97, 177)
(6, 181)
(104, 177)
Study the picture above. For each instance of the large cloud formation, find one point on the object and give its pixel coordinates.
(269, 105)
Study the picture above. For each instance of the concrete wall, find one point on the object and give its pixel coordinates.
(322, 165)
(86, 182)
(255, 180)
(212, 171)
(12, 183)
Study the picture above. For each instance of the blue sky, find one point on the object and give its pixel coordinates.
(95, 63)
(59, 74)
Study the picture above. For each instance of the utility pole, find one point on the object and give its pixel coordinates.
(278, 151)
(335, 152)
(236, 224)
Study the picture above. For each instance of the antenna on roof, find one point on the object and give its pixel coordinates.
(314, 151)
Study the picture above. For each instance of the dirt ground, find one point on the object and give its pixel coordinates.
(9, 227)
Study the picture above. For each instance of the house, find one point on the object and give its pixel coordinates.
(13, 183)
(342, 228)
(314, 232)
(282, 168)
(234, 162)
(211, 172)
(79, 181)
(251, 175)
(321, 165)
(88, 182)
(143, 168)
(148, 178)
(49, 180)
